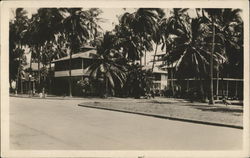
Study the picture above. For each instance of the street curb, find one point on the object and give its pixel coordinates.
(165, 117)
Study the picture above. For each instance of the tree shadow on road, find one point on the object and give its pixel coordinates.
(221, 109)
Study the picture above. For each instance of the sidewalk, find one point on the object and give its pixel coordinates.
(177, 109)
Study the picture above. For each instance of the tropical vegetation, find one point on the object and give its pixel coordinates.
(202, 46)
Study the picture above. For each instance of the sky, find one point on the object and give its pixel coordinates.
(110, 16)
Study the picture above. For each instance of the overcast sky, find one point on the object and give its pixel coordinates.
(109, 14)
(111, 19)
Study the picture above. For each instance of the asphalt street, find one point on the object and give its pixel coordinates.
(43, 124)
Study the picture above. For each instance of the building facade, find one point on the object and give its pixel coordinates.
(159, 73)
(79, 71)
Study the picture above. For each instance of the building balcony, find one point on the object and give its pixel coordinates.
(74, 72)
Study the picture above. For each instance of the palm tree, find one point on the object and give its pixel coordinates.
(93, 24)
(18, 29)
(137, 30)
(230, 24)
(175, 25)
(189, 50)
(128, 42)
(211, 101)
(214, 15)
(159, 36)
(231, 27)
(76, 31)
(53, 50)
(45, 24)
(109, 64)
(146, 26)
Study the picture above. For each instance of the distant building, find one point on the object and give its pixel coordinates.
(226, 85)
(79, 70)
(28, 78)
(160, 74)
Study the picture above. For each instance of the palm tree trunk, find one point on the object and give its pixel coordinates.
(50, 77)
(43, 77)
(217, 84)
(106, 86)
(39, 72)
(211, 100)
(154, 56)
(30, 62)
(223, 72)
(21, 84)
(227, 86)
(18, 71)
(172, 79)
(72, 49)
(222, 83)
(17, 77)
(30, 90)
(21, 80)
(202, 90)
(70, 84)
(16, 86)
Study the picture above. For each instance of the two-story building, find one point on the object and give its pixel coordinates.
(160, 74)
(79, 70)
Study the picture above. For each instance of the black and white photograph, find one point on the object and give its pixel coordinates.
(125, 78)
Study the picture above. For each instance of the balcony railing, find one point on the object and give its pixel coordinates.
(74, 72)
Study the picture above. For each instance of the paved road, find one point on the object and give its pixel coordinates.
(61, 124)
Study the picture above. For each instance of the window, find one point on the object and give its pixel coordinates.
(87, 63)
(157, 77)
(61, 65)
(76, 63)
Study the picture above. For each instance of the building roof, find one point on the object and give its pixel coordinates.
(88, 47)
(155, 70)
(170, 65)
(86, 55)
